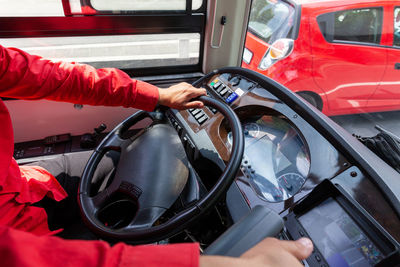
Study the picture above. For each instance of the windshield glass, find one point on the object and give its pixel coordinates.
(344, 61)
(271, 21)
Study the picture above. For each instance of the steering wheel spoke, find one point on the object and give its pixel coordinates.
(101, 198)
(118, 184)
(116, 143)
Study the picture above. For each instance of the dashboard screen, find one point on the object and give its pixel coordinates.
(337, 236)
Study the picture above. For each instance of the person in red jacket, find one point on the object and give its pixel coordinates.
(25, 237)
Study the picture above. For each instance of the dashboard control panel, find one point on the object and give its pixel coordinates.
(228, 87)
(199, 115)
(285, 157)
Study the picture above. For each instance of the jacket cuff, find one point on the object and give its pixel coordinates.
(146, 96)
(176, 255)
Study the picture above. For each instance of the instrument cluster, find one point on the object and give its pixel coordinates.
(276, 159)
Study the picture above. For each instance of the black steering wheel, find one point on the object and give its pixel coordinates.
(158, 142)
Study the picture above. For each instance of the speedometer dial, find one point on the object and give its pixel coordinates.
(276, 159)
(291, 183)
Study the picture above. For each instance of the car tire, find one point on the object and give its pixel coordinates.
(313, 99)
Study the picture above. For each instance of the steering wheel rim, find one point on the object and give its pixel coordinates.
(181, 220)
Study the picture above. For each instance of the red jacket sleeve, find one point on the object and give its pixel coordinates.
(19, 248)
(29, 77)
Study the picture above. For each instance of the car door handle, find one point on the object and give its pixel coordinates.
(397, 66)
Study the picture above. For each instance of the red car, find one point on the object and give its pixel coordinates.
(341, 56)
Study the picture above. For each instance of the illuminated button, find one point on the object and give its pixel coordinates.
(232, 97)
(214, 82)
(217, 85)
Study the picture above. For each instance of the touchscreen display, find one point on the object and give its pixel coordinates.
(339, 239)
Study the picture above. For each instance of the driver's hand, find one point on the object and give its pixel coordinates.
(180, 96)
(270, 252)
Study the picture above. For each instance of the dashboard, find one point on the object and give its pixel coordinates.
(285, 158)
(286, 166)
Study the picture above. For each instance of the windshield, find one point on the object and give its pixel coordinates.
(344, 60)
(271, 21)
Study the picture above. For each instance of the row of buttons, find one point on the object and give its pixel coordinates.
(199, 115)
(224, 91)
(177, 127)
(246, 167)
(19, 153)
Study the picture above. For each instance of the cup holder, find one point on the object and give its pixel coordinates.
(118, 214)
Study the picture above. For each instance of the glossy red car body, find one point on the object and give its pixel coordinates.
(343, 77)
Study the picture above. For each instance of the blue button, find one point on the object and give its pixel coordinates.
(231, 98)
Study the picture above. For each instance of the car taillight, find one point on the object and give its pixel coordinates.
(280, 49)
